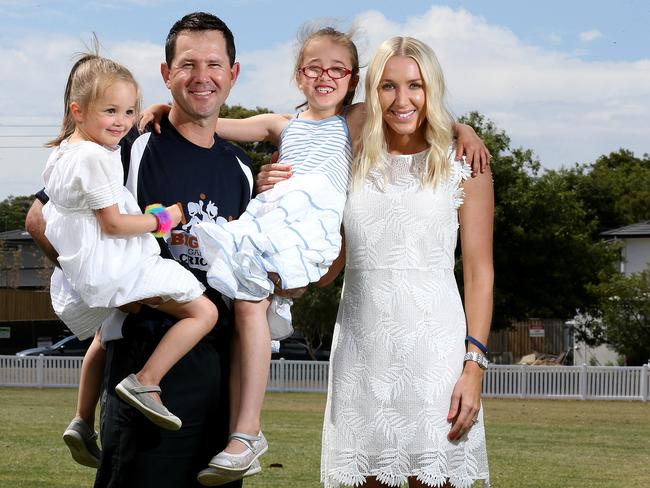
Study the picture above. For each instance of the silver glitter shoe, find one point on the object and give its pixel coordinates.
(256, 446)
(135, 394)
(216, 477)
(82, 442)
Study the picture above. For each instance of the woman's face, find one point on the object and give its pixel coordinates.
(402, 97)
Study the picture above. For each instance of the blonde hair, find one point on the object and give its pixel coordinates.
(308, 33)
(438, 129)
(88, 79)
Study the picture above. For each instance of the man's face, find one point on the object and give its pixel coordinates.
(200, 77)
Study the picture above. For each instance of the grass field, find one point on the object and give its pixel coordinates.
(531, 444)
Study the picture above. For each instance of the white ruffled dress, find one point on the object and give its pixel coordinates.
(292, 229)
(97, 271)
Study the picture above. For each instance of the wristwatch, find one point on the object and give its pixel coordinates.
(478, 358)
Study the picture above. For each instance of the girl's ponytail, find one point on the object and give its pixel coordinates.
(68, 125)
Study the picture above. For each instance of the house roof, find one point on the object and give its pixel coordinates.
(15, 235)
(640, 229)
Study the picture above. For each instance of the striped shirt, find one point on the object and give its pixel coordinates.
(318, 146)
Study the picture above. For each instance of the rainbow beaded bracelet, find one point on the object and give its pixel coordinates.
(162, 217)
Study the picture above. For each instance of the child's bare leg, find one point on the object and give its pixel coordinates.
(90, 381)
(197, 318)
(235, 380)
(255, 357)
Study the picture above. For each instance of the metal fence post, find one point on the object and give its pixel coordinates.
(644, 383)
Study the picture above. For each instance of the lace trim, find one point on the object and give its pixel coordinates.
(461, 171)
(400, 173)
(396, 472)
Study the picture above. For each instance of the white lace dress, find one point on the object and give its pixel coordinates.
(398, 344)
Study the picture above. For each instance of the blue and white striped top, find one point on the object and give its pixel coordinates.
(292, 229)
(318, 146)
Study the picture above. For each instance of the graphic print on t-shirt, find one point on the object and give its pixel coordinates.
(183, 245)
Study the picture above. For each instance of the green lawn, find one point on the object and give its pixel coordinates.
(535, 444)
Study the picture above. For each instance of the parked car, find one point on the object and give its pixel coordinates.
(68, 346)
(295, 348)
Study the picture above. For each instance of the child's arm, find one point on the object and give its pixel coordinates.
(263, 127)
(114, 223)
(471, 146)
(356, 118)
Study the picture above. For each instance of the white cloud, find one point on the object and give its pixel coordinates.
(565, 108)
(553, 38)
(591, 35)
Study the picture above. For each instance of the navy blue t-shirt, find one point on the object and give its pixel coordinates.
(209, 183)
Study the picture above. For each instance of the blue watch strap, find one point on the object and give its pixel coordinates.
(478, 344)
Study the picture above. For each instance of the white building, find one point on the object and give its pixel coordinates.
(635, 254)
(635, 257)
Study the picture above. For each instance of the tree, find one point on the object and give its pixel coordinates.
(259, 152)
(622, 318)
(546, 258)
(13, 211)
(615, 190)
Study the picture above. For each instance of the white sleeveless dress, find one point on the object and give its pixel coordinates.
(398, 343)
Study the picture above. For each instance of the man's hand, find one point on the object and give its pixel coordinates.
(272, 173)
(35, 225)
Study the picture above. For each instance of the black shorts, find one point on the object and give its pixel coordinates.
(136, 453)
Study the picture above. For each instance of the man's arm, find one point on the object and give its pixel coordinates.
(35, 225)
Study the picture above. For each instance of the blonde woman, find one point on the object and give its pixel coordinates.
(407, 361)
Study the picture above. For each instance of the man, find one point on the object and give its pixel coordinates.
(185, 163)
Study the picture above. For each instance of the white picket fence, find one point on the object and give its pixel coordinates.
(503, 381)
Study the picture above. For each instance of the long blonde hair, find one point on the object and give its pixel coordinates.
(438, 129)
(88, 79)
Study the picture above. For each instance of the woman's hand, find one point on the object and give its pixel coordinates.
(471, 146)
(154, 114)
(272, 173)
(288, 293)
(465, 401)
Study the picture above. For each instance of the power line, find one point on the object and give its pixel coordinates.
(27, 125)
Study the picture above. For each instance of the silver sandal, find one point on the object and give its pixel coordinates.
(256, 446)
(137, 395)
(217, 477)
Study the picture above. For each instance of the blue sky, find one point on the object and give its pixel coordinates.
(569, 79)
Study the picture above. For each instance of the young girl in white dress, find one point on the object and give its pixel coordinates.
(403, 403)
(108, 255)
